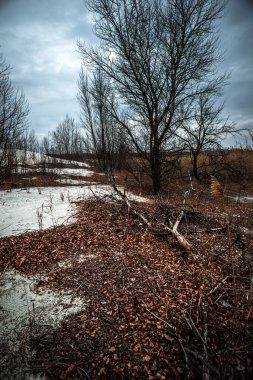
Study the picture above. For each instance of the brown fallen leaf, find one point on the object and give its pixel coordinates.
(146, 358)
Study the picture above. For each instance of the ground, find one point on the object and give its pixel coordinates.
(150, 310)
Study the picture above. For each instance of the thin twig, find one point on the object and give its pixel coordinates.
(157, 316)
(218, 285)
(206, 374)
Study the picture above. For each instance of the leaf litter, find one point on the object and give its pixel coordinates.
(151, 310)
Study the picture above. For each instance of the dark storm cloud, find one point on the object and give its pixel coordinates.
(236, 37)
(41, 11)
(241, 11)
(38, 39)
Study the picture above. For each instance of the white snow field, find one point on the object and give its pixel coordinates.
(23, 210)
(82, 172)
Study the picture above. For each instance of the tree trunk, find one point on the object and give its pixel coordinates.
(195, 166)
(156, 170)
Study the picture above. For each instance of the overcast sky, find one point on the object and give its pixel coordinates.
(38, 39)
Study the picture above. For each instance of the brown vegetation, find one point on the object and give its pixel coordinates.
(151, 310)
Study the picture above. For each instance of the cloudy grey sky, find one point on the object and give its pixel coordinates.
(38, 39)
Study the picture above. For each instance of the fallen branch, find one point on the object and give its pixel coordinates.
(172, 230)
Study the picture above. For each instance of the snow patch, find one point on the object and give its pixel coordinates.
(71, 172)
(68, 162)
(24, 313)
(40, 208)
(22, 306)
(69, 181)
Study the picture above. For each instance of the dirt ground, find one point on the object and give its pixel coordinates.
(152, 310)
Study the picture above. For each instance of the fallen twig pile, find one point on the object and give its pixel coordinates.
(155, 224)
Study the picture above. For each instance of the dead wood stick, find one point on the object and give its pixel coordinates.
(180, 238)
(157, 316)
(173, 230)
(193, 326)
(6, 266)
(198, 356)
(180, 216)
(218, 285)
(206, 373)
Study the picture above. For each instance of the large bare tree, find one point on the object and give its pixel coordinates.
(160, 55)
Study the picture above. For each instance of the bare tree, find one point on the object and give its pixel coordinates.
(160, 55)
(67, 139)
(28, 149)
(14, 110)
(45, 146)
(103, 137)
(206, 130)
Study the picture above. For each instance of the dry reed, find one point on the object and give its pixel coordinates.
(216, 188)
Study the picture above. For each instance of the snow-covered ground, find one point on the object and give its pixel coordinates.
(67, 162)
(32, 158)
(69, 181)
(24, 210)
(30, 209)
(25, 312)
(75, 172)
(21, 305)
(39, 208)
(28, 162)
(80, 172)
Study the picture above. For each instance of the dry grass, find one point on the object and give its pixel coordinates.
(216, 188)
